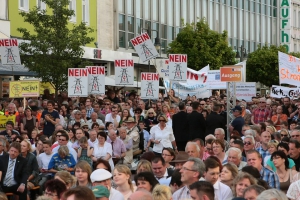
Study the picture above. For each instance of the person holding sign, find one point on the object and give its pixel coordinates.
(49, 119)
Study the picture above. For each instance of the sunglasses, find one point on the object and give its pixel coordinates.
(247, 143)
(107, 104)
(283, 135)
(137, 112)
(262, 102)
(161, 120)
(85, 127)
(202, 104)
(150, 113)
(18, 141)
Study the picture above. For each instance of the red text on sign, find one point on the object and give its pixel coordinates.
(96, 70)
(78, 72)
(123, 63)
(177, 58)
(140, 39)
(150, 77)
(8, 42)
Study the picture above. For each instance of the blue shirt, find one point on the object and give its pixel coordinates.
(263, 152)
(146, 138)
(270, 177)
(60, 164)
(271, 164)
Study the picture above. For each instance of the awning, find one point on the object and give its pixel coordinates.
(18, 70)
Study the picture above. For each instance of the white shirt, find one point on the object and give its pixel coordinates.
(165, 136)
(98, 121)
(43, 160)
(115, 195)
(222, 191)
(108, 118)
(71, 150)
(13, 181)
(94, 143)
(101, 152)
(164, 180)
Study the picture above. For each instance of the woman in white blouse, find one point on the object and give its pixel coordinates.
(103, 149)
(162, 136)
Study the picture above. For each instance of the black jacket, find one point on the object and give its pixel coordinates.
(213, 121)
(196, 126)
(179, 125)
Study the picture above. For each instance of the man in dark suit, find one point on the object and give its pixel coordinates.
(14, 173)
(214, 120)
(179, 124)
(196, 123)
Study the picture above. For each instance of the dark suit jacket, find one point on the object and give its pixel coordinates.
(213, 121)
(196, 125)
(179, 125)
(20, 171)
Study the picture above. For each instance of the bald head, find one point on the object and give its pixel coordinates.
(141, 195)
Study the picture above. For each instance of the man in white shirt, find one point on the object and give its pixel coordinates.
(211, 175)
(234, 157)
(63, 140)
(160, 171)
(202, 190)
(43, 162)
(93, 137)
(113, 117)
(191, 172)
(94, 119)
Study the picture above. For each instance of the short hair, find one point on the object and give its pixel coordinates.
(272, 194)
(170, 150)
(251, 138)
(232, 168)
(239, 142)
(181, 105)
(239, 177)
(102, 134)
(238, 151)
(176, 178)
(273, 143)
(85, 167)
(200, 141)
(209, 141)
(29, 146)
(217, 141)
(57, 186)
(63, 149)
(162, 192)
(104, 162)
(198, 165)
(156, 159)
(146, 176)
(80, 193)
(51, 102)
(297, 144)
(10, 123)
(221, 130)
(211, 163)
(145, 164)
(252, 170)
(257, 188)
(256, 128)
(251, 132)
(66, 177)
(48, 142)
(282, 155)
(195, 105)
(204, 187)
(163, 116)
(94, 124)
(193, 143)
(284, 145)
(63, 134)
(254, 151)
(15, 145)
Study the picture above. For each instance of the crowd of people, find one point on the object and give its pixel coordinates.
(120, 147)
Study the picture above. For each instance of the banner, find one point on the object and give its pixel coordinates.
(178, 67)
(19, 89)
(96, 79)
(4, 119)
(289, 69)
(144, 47)
(162, 67)
(279, 92)
(214, 80)
(149, 85)
(124, 72)
(77, 82)
(245, 90)
(231, 73)
(195, 84)
(9, 52)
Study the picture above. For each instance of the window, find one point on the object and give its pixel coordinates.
(85, 11)
(294, 19)
(24, 5)
(72, 6)
(298, 19)
(41, 5)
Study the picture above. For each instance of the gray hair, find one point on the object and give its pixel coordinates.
(237, 150)
(273, 194)
(198, 165)
(122, 129)
(257, 188)
(193, 143)
(221, 130)
(110, 132)
(63, 149)
(251, 137)
(250, 132)
(210, 136)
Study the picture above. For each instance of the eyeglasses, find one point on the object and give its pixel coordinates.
(161, 120)
(58, 135)
(283, 135)
(295, 135)
(18, 141)
(209, 149)
(262, 102)
(137, 112)
(107, 104)
(202, 104)
(62, 140)
(150, 113)
(165, 155)
(186, 169)
(247, 143)
(85, 127)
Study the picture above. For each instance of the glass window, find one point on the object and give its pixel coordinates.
(146, 6)
(235, 3)
(121, 22)
(129, 7)
(85, 11)
(177, 13)
(217, 23)
(223, 17)
(295, 47)
(269, 30)
(258, 28)
(41, 5)
(184, 7)
(262, 33)
(247, 27)
(198, 9)
(224, 1)
(204, 8)
(130, 21)
(122, 39)
(121, 5)
(275, 12)
(171, 12)
(252, 24)
(72, 6)
(154, 10)
(155, 26)
(24, 5)
(263, 9)
(130, 36)
(252, 6)
(191, 11)
(163, 12)
(229, 22)
(275, 3)
(147, 25)
(299, 19)
(258, 9)
(211, 16)
(164, 31)
(164, 46)
(241, 23)
(294, 18)
(138, 9)
(171, 32)
(235, 17)
(139, 24)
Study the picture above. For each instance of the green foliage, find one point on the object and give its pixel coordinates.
(53, 47)
(203, 46)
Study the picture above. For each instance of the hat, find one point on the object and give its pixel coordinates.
(100, 191)
(130, 120)
(100, 175)
(34, 108)
(181, 157)
(237, 108)
(83, 124)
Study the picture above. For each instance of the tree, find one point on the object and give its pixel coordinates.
(53, 47)
(203, 46)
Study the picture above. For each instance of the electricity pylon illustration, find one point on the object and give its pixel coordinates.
(124, 76)
(10, 56)
(95, 84)
(178, 72)
(149, 89)
(146, 50)
(77, 87)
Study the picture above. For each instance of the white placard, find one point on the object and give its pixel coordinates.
(289, 69)
(144, 47)
(9, 52)
(96, 79)
(245, 90)
(214, 80)
(162, 66)
(178, 67)
(124, 72)
(77, 82)
(279, 92)
(150, 85)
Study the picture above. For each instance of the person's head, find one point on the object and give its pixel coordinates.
(284, 147)
(192, 149)
(241, 182)
(14, 150)
(202, 190)
(55, 189)
(251, 192)
(295, 135)
(131, 122)
(176, 182)
(192, 170)
(63, 138)
(79, 193)
(144, 166)
(273, 194)
(272, 146)
(101, 137)
(63, 151)
(229, 171)
(220, 134)
(162, 119)
(168, 154)
(218, 146)
(102, 164)
(249, 143)
(265, 137)
(212, 170)
(279, 158)
(180, 159)
(208, 145)
(50, 105)
(141, 194)
(122, 176)
(162, 192)
(271, 129)
(83, 171)
(2, 145)
(26, 146)
(47, 147)
(101, 177)
(238, 144)
(112, 135)
(93, 135)
(234, 156)
(158, 166)
(145, 180)
(9, 126)
(66, 178)
(254, 159)
(79, 133)
(294, 151)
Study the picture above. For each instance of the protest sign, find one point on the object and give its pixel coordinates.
(245, 90)
(96, 79)
(149, 85)
(231, 73)
(124, 72)
(280, 91)
(178, 67)
(214, 80)
(19, 89)
(144, 47)
(4, 119)
(9, 52)
(77, 82)
(162, 67)
(289, 69)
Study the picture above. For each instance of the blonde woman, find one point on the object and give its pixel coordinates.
(144, 166)
(162, 192)
(66, 178)
(150, 119)
(122, 179)
(241, 182)
(272, 147)
(271, 129)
